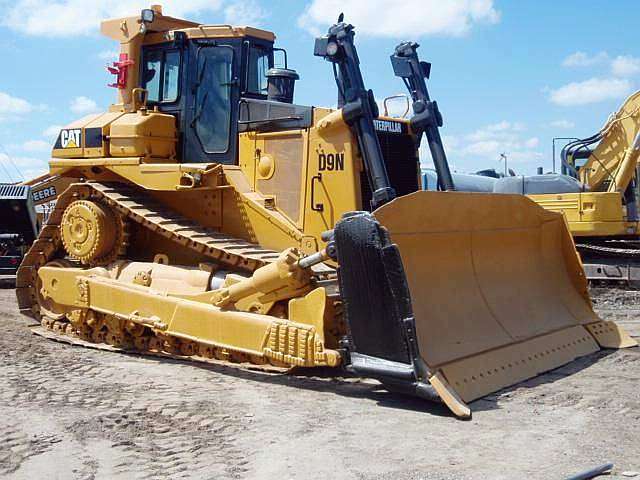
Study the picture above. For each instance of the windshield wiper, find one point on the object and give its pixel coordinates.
(200, 75)
(198, 114)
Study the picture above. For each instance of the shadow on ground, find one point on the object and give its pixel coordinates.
(339, 382)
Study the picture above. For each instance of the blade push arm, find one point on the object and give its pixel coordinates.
(359, 109)
(426, 118)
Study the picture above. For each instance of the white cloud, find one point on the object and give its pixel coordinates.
(562, 124)
(36, 146)
(625, 66)
(504, 126)
(451, 142)
(596, 89)
(590, 91)
(481, 148)
(109, 55)
(484, 148)
(502, 129)
(66, 18)
(14, 107)
(581, 59)
(29, 167)
(82, 105)
(248, 12)
(52, 131)
(411, 18)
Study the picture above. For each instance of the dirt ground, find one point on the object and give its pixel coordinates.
(73, 413)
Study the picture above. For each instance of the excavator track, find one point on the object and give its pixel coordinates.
(608, 250)
(607, 264)
(137, 207)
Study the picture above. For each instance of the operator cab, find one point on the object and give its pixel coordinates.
(218, 81)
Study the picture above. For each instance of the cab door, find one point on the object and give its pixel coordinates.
(211, 121)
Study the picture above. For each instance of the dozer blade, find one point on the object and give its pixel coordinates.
(463, 294)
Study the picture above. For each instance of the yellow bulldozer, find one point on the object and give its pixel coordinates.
(218, 219)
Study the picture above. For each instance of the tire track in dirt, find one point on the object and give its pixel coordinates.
(97, 415)
(16, 446)
(156, 430)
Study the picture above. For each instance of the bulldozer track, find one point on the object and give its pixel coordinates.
(135, 206)
(42, 331)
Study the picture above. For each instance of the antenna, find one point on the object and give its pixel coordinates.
(503, 156)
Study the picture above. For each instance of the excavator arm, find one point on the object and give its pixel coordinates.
(610, 166)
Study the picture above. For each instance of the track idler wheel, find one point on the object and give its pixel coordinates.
(91, 232)
(49, 308)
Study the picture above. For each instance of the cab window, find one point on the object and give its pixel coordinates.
(212, 121)
(257, 70)
(161, 75)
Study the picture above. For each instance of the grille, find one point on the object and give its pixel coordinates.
(9, 190)
(402, 163)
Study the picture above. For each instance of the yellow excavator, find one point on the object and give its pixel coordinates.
(597, 191)
(217, 219)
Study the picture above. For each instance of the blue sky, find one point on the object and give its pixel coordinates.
(508, 75)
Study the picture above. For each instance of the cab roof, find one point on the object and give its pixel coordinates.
(163, 27)
(213, 31)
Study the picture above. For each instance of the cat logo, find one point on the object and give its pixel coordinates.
(71, 138)
(387, 126)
